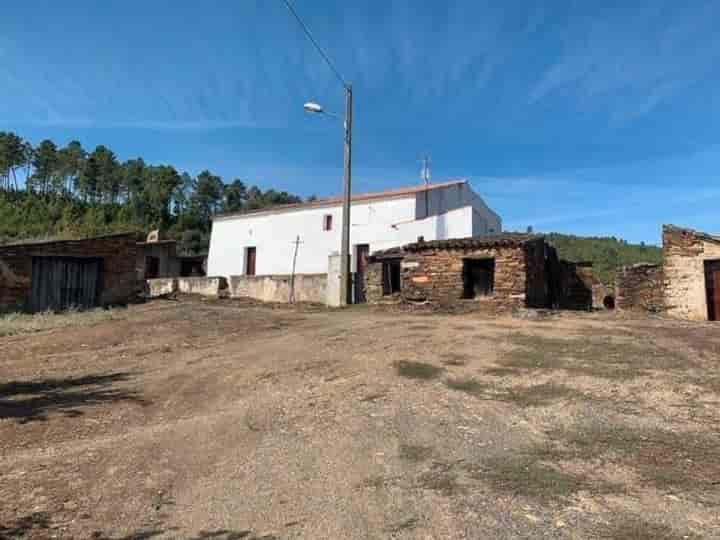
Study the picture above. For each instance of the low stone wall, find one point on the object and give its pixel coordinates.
(213, 287)
(117, 252)
(276, 288)
(161, 286)
(639, 288)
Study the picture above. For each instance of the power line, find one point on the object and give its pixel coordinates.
(315, 43)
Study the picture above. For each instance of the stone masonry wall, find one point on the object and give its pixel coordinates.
(684, 254)
(118, 252)
(639, 288)
(436, 275)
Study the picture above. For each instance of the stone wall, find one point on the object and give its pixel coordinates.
(639, 288)
(212, 287)
(118, 254)
(436, 276)
(165, 252)
(276, 288)
(685, 252)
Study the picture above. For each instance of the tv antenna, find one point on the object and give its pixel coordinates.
(425, 171)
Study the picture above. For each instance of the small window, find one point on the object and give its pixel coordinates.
(250, 259)
(478, 277)
(391, 276)
(327, 222)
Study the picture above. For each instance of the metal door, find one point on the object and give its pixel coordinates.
(59, 283)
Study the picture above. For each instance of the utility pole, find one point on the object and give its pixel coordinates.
(345, 245)
(297, 243)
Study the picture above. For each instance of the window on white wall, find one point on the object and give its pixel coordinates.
(327, 222)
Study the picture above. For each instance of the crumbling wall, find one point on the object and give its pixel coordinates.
(118, 254)
(639, 288)
(276, 288)
(373, 276)
(685, 252)
(436, 276)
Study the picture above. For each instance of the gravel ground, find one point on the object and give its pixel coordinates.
(228, 420)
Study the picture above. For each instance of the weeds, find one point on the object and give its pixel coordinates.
(417, 370)
(23, 323)
(602, 358)
(411, 452)
(523, 396)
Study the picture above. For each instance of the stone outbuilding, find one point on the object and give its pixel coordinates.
(56, 275)
(685, 286)
(494, 273)
(691, 272)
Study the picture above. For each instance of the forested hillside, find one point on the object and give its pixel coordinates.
(51, 191)
(606, 253)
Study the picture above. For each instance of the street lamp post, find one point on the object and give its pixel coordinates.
(345, 288)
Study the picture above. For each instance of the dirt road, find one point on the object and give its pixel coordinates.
(214, 420)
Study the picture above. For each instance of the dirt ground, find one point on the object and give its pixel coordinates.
(222, 420)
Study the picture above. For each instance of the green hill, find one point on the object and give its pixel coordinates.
(606, 253)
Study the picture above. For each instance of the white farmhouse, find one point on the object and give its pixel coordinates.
(263, 242)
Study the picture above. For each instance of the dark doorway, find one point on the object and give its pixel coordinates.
(60, 283)
(478, 277)
(250, 257)
(152, 267)
(712, 286)
(391, 276)
(362, 252)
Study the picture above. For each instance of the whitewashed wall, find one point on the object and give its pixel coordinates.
(381, 224)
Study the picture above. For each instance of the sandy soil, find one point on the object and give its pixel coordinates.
(223, 420)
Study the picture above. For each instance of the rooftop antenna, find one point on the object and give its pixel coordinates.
(425, 171)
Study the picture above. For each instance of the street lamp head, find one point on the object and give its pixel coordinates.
(313, 107)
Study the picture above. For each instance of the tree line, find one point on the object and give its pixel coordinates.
(46, 190)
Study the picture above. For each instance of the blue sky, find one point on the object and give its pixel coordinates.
(583, 117)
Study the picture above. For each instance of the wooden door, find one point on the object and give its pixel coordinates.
(712, 283)
(250, 262)
(59, 283)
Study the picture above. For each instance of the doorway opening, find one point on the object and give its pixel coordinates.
(478, 277)
(712, 288)
(391, 276)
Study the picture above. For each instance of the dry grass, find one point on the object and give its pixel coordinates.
(672, 461)
(414, 452)
(417, 370)
(22, 323)
(632, 527)
(601, 358)
(523, 396)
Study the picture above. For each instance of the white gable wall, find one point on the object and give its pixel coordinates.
(381, 224)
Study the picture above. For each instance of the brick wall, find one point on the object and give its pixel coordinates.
(639, 288)
(684, 253)
(118, 252)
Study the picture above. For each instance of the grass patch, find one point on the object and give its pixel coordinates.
(23, 323)
(527, 476)
(670, 461)
(601, 358)
(636, 528)
(417, 370)
(413, 452)
(523, 396)
(444, 482)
